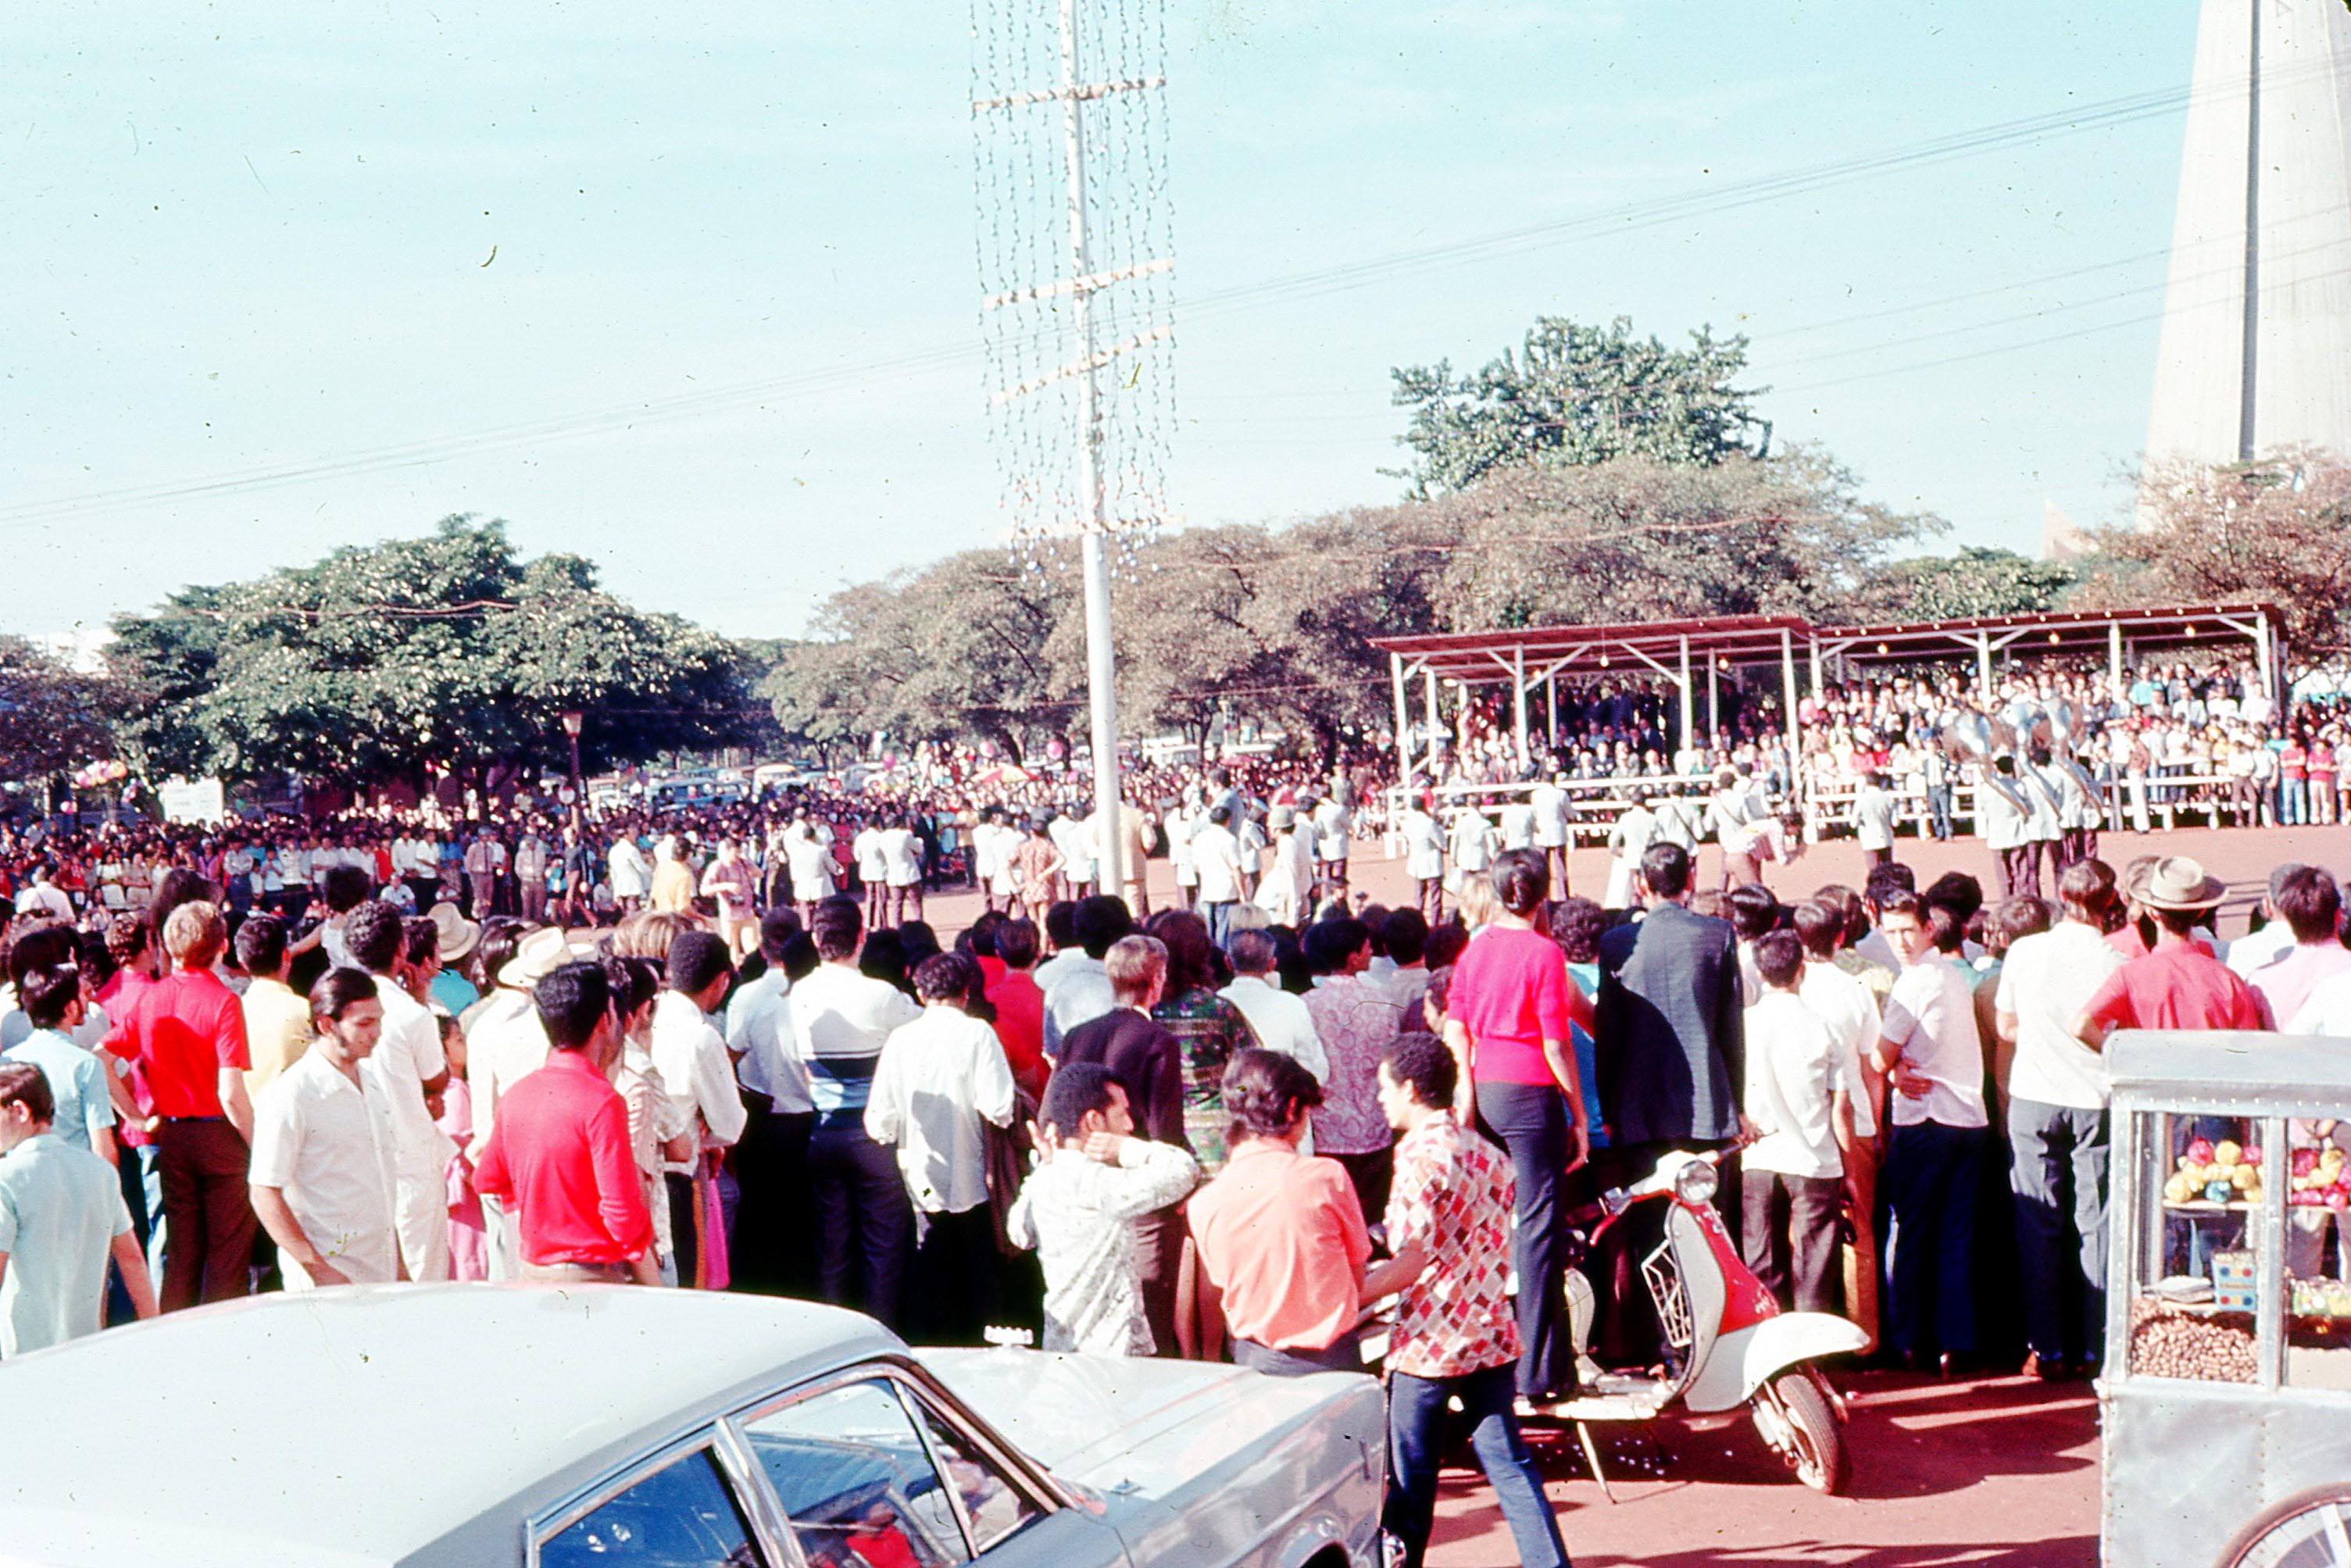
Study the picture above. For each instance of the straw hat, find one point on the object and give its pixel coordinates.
(2176, 881)
(459, 935)
(538, 956)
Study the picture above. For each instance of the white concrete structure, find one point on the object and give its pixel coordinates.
(2256, 345)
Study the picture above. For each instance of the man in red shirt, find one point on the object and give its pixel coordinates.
(2178, 984)
(558, 1154)
(187, 1035)
(1019, 1004)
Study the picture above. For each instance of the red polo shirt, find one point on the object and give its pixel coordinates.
(559, 1152)
(2177, 986)
(183, 1031)
(1019, 1025)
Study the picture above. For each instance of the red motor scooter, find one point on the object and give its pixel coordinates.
(1733, 1344)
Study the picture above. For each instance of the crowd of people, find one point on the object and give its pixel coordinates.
(2202, 738)
(721, 1047)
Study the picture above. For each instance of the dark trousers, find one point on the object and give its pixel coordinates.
(1218, 918)
(131, 1176)
(2059, 1178)
(1793, 1220)
(208, 1221)
(1159, 1261)
(1930, 1183)
(2020, 872)
(1371, 1174)
(953, 1296)
(864, 1221)
(773, 1249)
(1416, 1416)
(679, 1190)
(1938, 809)
(1530, 1121)
(1344, 1354)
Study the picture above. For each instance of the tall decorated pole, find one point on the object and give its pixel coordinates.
(1077, 313)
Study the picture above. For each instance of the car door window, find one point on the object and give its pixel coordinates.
(856, 1480)
(682, 1516)
(992, 1504)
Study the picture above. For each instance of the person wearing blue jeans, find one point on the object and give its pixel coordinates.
(1928, 1050)
(1456, 1335)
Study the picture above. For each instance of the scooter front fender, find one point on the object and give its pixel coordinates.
(1744, 1360)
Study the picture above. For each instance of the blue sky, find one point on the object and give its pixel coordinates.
(251, 236)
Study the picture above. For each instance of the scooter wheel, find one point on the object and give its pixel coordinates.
(1815, 1444)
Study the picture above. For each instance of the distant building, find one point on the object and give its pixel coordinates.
(2256, 345)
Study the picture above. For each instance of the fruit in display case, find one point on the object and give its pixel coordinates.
(2320, 1297)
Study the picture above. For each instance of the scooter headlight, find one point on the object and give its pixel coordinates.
(1695, 1182)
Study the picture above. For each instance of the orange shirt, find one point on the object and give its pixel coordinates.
(1281, 1235)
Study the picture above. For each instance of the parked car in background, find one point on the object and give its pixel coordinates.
(614, 1426)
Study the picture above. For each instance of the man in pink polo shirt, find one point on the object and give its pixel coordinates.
(1280, 1234)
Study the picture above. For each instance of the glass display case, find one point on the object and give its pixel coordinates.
(2227, 1389)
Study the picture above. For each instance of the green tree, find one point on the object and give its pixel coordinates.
(1574, 394)
(446, 651)
(1977, 581)
(53, 718)
(1636, 539)
(2277, 528)
(962, 649)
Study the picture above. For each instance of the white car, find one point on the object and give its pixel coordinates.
(615, 1427)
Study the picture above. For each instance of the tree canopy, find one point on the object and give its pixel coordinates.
(53, 717)
(445, 652)
(1276, 623)
(1574, 394)
(2277, 528)
(1977, 581)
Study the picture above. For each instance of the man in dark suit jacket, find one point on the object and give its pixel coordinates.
(1671, 1048)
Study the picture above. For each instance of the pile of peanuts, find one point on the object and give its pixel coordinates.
(2168, 1343)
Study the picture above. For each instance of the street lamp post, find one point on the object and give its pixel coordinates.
(571, 721)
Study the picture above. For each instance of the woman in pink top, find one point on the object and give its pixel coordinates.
(1509, 1018)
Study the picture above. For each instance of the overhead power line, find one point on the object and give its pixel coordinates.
(2103, 115)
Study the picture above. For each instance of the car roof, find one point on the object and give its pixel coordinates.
(365, 1424)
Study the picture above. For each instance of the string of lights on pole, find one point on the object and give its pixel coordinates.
(1076, 258)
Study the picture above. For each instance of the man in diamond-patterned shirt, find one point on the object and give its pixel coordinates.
(1456, 1334)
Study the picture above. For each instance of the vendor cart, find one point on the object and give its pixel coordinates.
(2226, 1396)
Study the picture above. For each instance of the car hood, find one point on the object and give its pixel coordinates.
(1126, 1426)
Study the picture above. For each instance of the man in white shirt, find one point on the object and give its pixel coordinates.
(1516, 824)
(321, 1176)
(1216, 860)
(841, 1020)
(698, 1075)
(1069, 836)
(43, 897)
(2057, 1121)
(1927, 1046)
(1793, 1182)
(1424, 856)
(808, 853)
(405, 1068)
(632, 874)
(2271, 940)
(1873, 819)
(872, 871)
(1845, 1003)
(1549, 800)
(1334, 826)
(2003, 818)
(1279, 1021)
(938, 1078)
(902, 865)
(1093, 1180)
(771, 1160)
(1081, 989)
